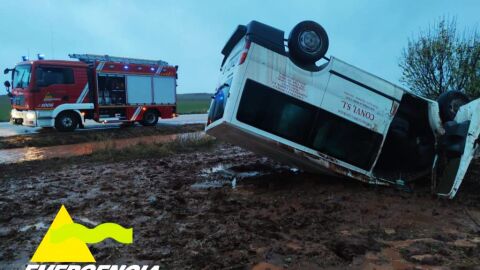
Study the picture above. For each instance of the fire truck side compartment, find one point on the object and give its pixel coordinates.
(139, 89)
(162, 90)
(150, 90)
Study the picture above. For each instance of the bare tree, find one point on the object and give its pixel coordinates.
(440, 59)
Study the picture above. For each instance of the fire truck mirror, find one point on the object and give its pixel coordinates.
(5, 71)
(7, 84)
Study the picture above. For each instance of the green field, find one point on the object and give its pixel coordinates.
(186, 104)
(4, 108)
(192, 106)
(193, 103)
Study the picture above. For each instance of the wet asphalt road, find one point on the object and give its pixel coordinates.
(7, 129)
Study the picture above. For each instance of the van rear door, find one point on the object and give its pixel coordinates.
(457, 148)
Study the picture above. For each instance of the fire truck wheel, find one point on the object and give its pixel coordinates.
(66, 121)
(449, 103)
(308, 42)
(150, 118)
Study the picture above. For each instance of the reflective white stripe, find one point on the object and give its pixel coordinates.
(159, 69)
(100, 66)
(83, 94)
(135, 114)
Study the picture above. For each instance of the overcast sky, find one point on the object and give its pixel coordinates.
(369, 34)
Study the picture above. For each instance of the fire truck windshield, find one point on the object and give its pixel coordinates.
(21, 76)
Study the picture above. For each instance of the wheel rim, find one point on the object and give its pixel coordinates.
(150, 118)
(67, 122)
(309, 42)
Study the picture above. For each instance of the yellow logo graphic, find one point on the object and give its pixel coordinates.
(65, 240)
(50, 97)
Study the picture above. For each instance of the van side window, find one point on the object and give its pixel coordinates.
(274, 112)
(300, 122)
(219, 100)
(46, 76)
(345, 140)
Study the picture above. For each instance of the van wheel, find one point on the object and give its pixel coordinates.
(150, 118)
(66, 121)
(308, 42)
(449, 103)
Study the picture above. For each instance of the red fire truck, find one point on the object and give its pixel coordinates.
(107, 89)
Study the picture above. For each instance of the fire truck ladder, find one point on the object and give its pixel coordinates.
(91, 58)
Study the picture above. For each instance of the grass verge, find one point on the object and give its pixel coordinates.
(4, 108)
(183, 144)
(52, 137)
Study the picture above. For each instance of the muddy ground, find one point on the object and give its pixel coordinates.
(221, 207)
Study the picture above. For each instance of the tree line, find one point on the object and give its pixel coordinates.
(442, 59)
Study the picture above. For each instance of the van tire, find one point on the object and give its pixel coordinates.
(449, 103)
(307, 42)
(66, 121)
(150, 118)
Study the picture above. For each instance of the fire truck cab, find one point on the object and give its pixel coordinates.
(107, 89)
(293, 104)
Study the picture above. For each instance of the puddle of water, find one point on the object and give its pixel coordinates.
(295, 170)
(86, 221)
(210, 184)
(249, 174)
(61, 151)
(227, 174)
(36, 226)
(234, 183)
(219, 168)
(222, 175)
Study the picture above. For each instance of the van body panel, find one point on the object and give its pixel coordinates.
(450, 168)
(399, 132)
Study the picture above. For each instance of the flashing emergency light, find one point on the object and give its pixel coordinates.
(40, 56)
(24, 58)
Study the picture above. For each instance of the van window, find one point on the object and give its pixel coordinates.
(274, 112)
(219, 100)
(300, 122)
(46, 76)
(345, 140)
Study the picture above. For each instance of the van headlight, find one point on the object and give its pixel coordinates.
(30, 115)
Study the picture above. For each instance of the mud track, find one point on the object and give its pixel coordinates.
(226, 208)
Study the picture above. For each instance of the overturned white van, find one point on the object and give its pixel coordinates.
(274, 99)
